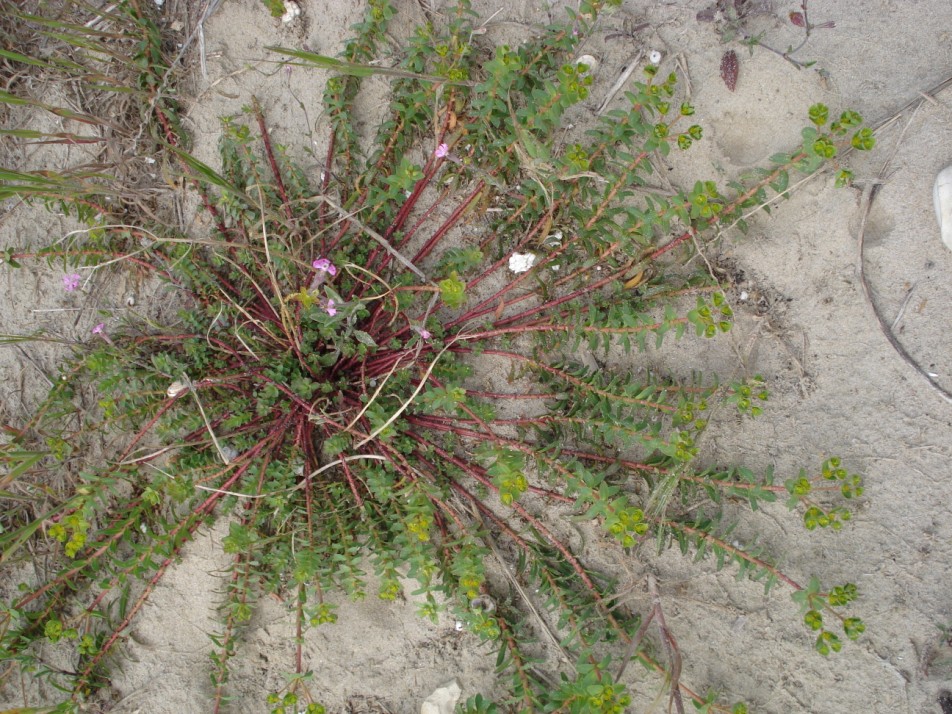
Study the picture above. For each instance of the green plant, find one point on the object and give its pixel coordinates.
(324, 388)
(274, 7)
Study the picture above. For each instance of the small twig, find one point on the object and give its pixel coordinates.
(866, 202)
(33, 362)
(682, 63)
(902, 308)
(670, 646)
(423, 380)
(633, 645)
(191, 388)
(628, 70)
(384, 243)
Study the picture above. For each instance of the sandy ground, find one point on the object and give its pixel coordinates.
(838, 385)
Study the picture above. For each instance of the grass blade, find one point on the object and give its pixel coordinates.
(355, 69)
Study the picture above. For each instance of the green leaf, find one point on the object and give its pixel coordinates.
(853, 627)
(364, 338)
(819, 113)
(863, 140)
(453, 290)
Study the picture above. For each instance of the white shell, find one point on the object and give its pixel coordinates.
(291, 11)
(589, 62)
(176, 388)
(942, 197)
(443, 700)
(521, 262)
(654, 57)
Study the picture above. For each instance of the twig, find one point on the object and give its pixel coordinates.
(29, 359)
(633, 645)
(201, 409)
(668, 643)
(869, 193)
(423, 380)
(670, 646)
(902, 308)
(376, 236)
(620, 82)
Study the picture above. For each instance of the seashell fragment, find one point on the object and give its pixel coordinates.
(942, 198)
(292, 10)
(590, 63)
(521, 262)
(443, 700)
(176, 388)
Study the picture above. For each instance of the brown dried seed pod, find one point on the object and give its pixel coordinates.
(730, 69)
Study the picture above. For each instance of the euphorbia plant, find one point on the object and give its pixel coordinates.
(363, 374)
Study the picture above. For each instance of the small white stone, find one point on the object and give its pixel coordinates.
(521, 262)
(744, 295)
(654, 57)
(149, 160)
(458, 626)
(942, 198)
(291, 11)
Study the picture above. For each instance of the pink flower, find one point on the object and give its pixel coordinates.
(100, 330)
(323, 265)
(424, 333)
(442, 151)
(331, 310)
(71, 281)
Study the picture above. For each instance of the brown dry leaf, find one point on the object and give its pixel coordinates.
(635, 281)
(730, 68)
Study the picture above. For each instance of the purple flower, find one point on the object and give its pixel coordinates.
(323, 265)
(442, 151)
(331, 310)
(71, 281)
(100, 330)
